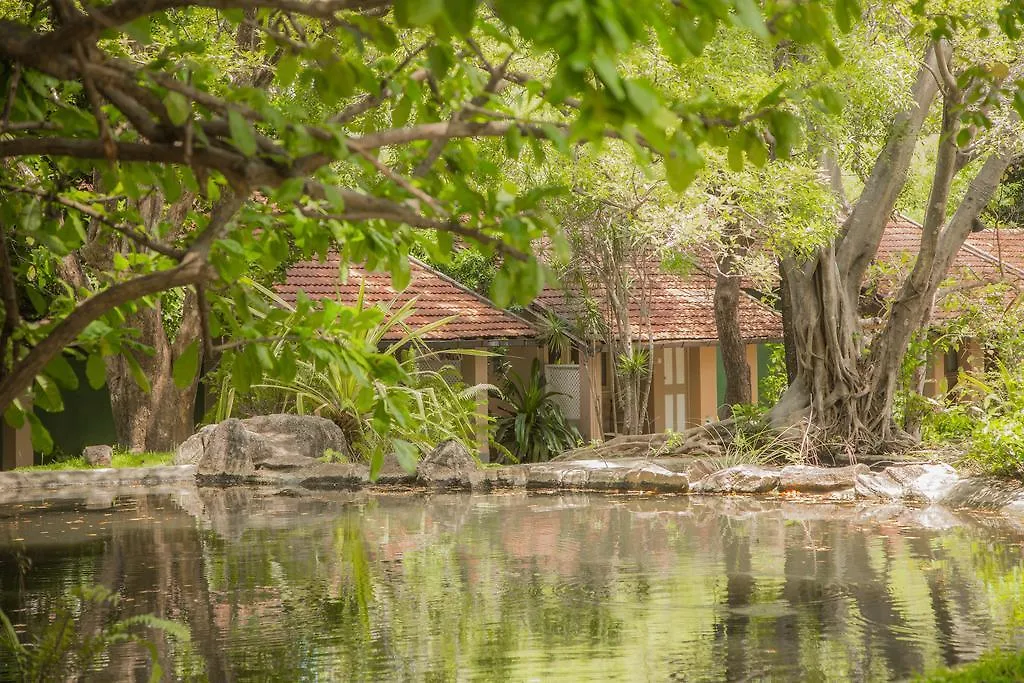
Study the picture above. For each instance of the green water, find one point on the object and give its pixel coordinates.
(523, 588)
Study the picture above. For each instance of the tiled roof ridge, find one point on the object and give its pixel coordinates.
(972, 249)
(480, 297)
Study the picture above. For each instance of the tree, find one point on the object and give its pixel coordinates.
(362, 134)
(846, 373)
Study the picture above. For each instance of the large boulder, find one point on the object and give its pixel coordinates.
(739, 479)
(306, 436)
(984, 493)
(228, 452)
(270, 441)
(449, 464)
(98, 456)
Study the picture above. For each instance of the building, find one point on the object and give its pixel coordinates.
(688, 381)
(990, 264)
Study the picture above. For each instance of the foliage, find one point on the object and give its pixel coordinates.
(993, 667)
(997, 442)
(945, 424)
(756, 442)
(420, 405)
(556, 334)
(534, 429)
(66, 648)
(289, 128)
(771, 385)
(469, 266)
(120, 459)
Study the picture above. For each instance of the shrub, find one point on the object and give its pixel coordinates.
(534, 429)
(426, 405)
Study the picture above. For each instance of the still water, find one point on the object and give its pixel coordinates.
(522, 587)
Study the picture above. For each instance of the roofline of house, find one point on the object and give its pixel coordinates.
(977, 251)
(480, 297)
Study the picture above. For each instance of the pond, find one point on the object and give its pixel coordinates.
(522, 587)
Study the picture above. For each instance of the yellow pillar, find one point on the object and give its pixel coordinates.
(935, 375)
(708, 384)
(658, 389)
(474, 371)
(590, 396)
(701, 385)
(752, 364)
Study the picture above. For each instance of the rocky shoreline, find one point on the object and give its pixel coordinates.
(280, 451)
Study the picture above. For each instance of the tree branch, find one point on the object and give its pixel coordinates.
(125, 229)
(67, 330)
(88, 26)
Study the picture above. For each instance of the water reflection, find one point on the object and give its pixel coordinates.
(516, 587)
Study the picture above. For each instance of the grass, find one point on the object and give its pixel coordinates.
(993, 667)
(120, 459)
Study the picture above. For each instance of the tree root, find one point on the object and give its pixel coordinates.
(708, 440)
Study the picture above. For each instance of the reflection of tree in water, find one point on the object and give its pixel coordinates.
(512, 587)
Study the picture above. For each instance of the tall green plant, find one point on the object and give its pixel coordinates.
(406, 417)
(534, 428)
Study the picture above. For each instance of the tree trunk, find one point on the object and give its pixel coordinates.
(846, 377)
(165, 416)
(162, 418)
(788, 332)
(730, 336)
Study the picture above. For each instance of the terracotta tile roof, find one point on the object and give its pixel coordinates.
(974, 266)
(437, 297)
(681, 310)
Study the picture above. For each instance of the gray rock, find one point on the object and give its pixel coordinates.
(739, 479)
(983, 493)
(279, 442)
(191, 450)
(928, 482)
(98, 456)
(877, 485)
(808, 479)
(295, 435)
(228, 452)
(656, 478)
(449, 464)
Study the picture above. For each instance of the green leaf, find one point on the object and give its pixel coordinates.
(41, 439)
(376, 462)
(286, 69)
(48, 397)
(186, 365)
(137, 372)
(400, 112)
(61, 371)
(462, 14)
(14, 415)
(96, 371)
(748, 15)
(407, 455)
(241, 133)
(177, 107)
(417, 12)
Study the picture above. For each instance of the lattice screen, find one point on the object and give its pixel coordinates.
(565, 379)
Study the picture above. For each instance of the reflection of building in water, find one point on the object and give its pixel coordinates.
(516, 586)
